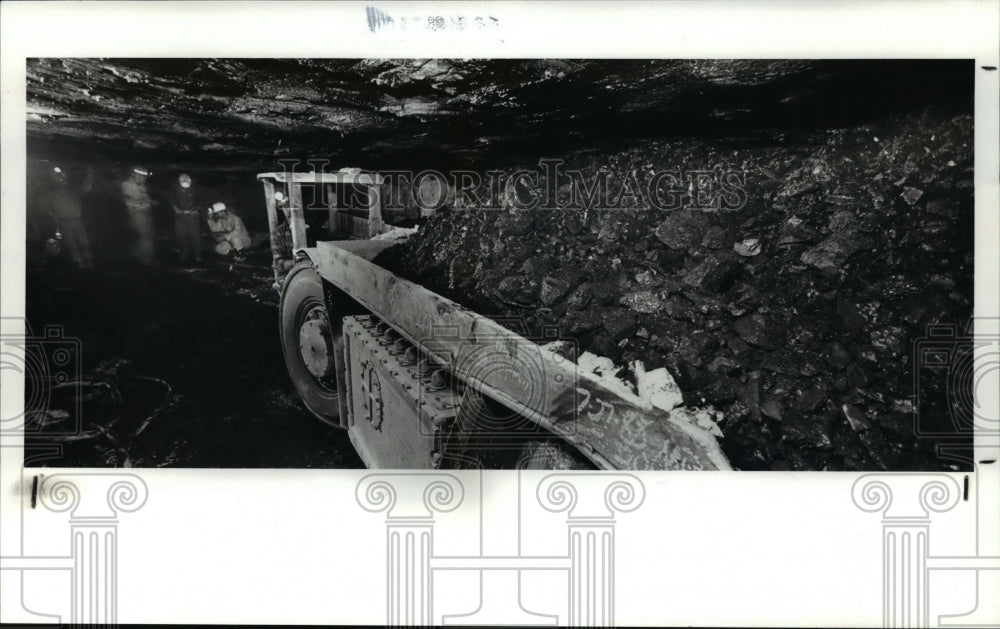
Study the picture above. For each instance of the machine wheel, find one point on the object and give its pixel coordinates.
(309, 341)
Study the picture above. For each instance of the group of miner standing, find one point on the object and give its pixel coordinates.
(65, 206)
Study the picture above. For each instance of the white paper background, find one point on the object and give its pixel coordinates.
(294, 547)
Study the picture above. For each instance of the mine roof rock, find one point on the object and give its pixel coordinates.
(183, 104)
(409, 112)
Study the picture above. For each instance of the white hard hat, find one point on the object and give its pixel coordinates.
(217, 207)
(57, 170)
(139, 170)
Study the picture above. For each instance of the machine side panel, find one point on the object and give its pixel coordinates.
(395, 423)
(611, 431)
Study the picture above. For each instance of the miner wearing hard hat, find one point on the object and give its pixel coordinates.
(187, 228)
(139, 207)
(231, 236)
(65, 204)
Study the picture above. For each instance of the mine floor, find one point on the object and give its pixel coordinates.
(179, 367)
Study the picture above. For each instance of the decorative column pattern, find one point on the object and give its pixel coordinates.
(904, 574)
(591, 549)
(905, 538)
(409, 578)
(590, 502)
(591, 529)
(93, 559)
(95, 575)
(409, 501)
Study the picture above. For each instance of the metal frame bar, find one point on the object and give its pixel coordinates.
(319, 177)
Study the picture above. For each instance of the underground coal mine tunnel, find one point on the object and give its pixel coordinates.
(788, 297)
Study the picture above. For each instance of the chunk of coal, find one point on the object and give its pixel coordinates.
(761, 331)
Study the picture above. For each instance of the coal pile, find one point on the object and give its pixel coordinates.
(794, 314)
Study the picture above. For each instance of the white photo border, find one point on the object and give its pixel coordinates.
(295, 547)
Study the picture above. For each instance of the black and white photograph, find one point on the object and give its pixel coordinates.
(593, 264)
(500, 313)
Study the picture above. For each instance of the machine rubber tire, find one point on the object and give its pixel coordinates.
(551, 454)
(302, 304)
